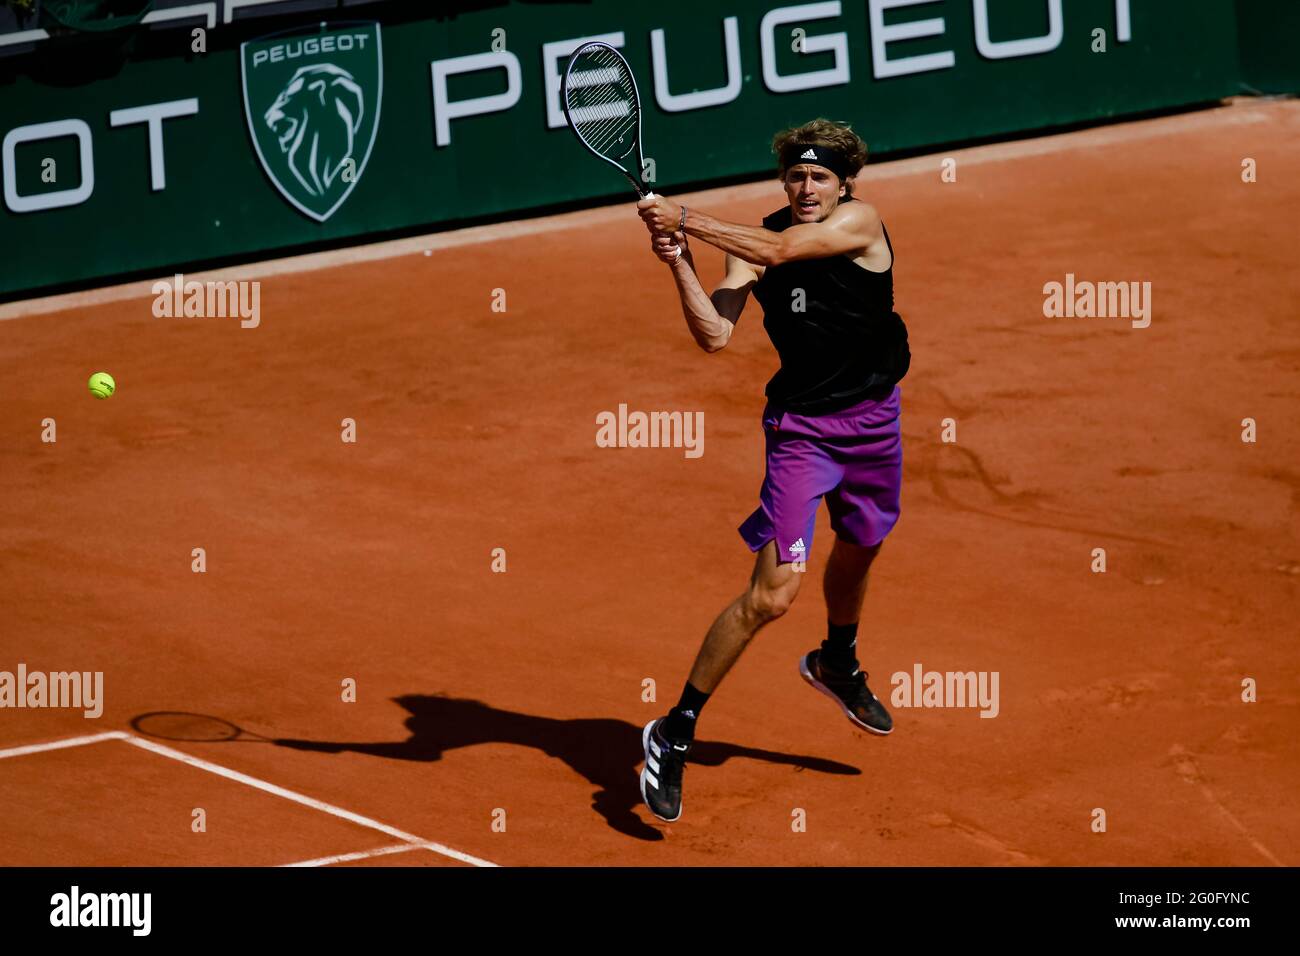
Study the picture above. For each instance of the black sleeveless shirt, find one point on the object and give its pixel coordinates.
(847, 344)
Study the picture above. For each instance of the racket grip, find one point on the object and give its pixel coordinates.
(650, 194)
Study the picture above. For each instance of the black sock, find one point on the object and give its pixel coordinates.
(680, 723)
(839, 650)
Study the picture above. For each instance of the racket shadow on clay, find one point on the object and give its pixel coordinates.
(182, 726)
(604, 751)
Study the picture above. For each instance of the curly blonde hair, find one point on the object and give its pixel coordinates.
(822, 132)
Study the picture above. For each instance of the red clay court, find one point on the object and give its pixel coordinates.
(481, 692)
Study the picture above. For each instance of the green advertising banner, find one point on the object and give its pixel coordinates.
(281, 136)
(1268, 36)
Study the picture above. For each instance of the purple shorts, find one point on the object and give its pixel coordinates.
(854, 458)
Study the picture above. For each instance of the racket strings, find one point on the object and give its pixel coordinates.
(605, 117)
(596, 73)
(609, 133)
(602, 102)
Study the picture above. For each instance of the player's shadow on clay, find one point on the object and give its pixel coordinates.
(606, 752)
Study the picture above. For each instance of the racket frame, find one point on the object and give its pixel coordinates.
(636, 181)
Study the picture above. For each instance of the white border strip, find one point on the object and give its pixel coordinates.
(408, 839)
(362, 855)
(1243, 110)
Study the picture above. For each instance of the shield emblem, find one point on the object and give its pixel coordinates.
(312, 98)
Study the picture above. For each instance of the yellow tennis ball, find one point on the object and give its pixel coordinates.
(102, 385)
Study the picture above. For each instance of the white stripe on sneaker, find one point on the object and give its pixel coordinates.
(654, 781)
(652, 764)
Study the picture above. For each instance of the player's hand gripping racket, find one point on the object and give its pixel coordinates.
(603, 107)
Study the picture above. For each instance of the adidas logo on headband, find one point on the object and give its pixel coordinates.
(832, 159)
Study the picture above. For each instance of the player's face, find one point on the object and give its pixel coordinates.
(813, 190)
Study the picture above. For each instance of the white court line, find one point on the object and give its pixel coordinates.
(361, 855)
(61, 744)
(409, 839)
(306, 801)
(1243, 110)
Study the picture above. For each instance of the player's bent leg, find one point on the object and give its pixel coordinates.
(864, 508)
(772, 589)
(833, 668)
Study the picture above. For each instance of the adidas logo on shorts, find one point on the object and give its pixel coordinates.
(798, 548)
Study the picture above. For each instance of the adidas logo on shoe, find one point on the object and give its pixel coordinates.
(661, 779)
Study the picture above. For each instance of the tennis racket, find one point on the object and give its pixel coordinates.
(603, 107)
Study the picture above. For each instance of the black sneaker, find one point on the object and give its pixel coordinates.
(850, 691)
(661, 779)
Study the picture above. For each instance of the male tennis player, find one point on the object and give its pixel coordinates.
(822, 269)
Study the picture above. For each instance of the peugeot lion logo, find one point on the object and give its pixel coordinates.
(312, 105)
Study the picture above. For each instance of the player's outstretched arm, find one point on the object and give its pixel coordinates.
(710, 319)
(850, 227)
